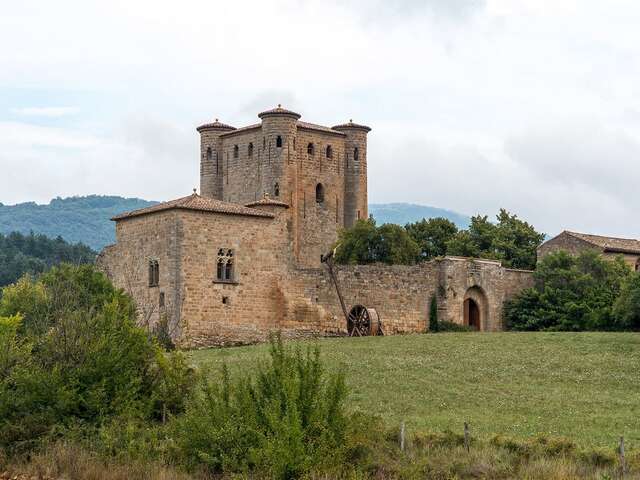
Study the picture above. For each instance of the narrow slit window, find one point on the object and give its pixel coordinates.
(310, 149)
(250, 150)
(276, 190)
(209, 154)
(279, 141)
(329, 151)
(319, 193)
(356, 154)
(236, 151)
(154, 273)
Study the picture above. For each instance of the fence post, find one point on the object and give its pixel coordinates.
(466, 436)
(623, 463)
(402, 436)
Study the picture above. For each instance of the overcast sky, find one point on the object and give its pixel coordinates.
(533, 106)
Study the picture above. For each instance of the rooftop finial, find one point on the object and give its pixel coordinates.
(194, 191)
(351, 120)
(279, 105)
(216, 119)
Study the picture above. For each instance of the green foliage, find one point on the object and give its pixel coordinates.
(432, 236)
(445, 326)
(367, 243)
(571, 293)
(75, 356)
(510, 240)
(626, 309)
(33, 254)
(434, 325)
(284, 422)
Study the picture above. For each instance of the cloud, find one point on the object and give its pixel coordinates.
(46, 111)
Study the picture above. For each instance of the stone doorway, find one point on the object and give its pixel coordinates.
(471, 314)
(475, 309)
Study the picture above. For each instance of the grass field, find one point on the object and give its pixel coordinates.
(585, 386)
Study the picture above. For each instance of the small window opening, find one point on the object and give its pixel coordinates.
(356, 154)
(319, 193)
(225, 300)
(279, 141)
(310, 149)
(154, 273)
(250, 150)
(276, 190)
(329, 151)
(294, 143)
(358, 214)
(236, 151)
(161, 300)
(209, 153)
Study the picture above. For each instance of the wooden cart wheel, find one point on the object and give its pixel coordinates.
(363, 322)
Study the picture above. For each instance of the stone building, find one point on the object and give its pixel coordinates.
(243, 258)
(609, 247)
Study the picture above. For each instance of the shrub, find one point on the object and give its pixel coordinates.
(571, 293)
(444, 326)
(78, 358)
(626, 309)
(288, 419)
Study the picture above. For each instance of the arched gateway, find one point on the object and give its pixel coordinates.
(475, 309)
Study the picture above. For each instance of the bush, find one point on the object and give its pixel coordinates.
(287, 420)
(444, 326)
(571, 293)
(77, 358)
(626, 309)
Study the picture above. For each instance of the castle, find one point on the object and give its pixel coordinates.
(243, 258)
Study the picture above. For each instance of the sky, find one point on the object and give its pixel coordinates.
(475, 105)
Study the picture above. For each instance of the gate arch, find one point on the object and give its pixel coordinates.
(475, 309)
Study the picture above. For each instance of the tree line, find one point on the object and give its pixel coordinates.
(510, 240)
(36, 253)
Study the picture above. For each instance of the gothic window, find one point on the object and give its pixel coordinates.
(319, 193)
(279, 141)
(154, 273)
(276, 190)
(236, 150)
(224, 265)
(355, 154)
(310, 149)
(250, 150)
(329, 151)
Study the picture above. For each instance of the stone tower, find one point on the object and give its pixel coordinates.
(355, 172)
(211, 158)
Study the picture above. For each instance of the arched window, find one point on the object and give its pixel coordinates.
(356, 154)
(250, 149)
(228, 271)
(329, 151)
(209, 153)
(276, 190)
(236, 150)
(220, 269)
(224, 266)
(279, 141)
(319, 193)
(310, 149)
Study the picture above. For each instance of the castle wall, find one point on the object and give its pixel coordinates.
(139, 240)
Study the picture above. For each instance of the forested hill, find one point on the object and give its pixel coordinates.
(86, 219)
(76, 219)
(20, 254)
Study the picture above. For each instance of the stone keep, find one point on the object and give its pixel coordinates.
(242, 259)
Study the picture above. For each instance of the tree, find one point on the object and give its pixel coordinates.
(626, 310)
(570, 293)
(366, 243)
(432, 236)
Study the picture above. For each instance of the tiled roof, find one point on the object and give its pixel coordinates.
(266, 200)
(241, 130)
(351, 125)
(215, 126)
(198, 203)
(321, 128)
(611, 244)
(279, 111)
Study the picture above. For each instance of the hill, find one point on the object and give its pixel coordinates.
(86, 219)
(20, 254)
(76, 219)
(579, 385)
(403, 213)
